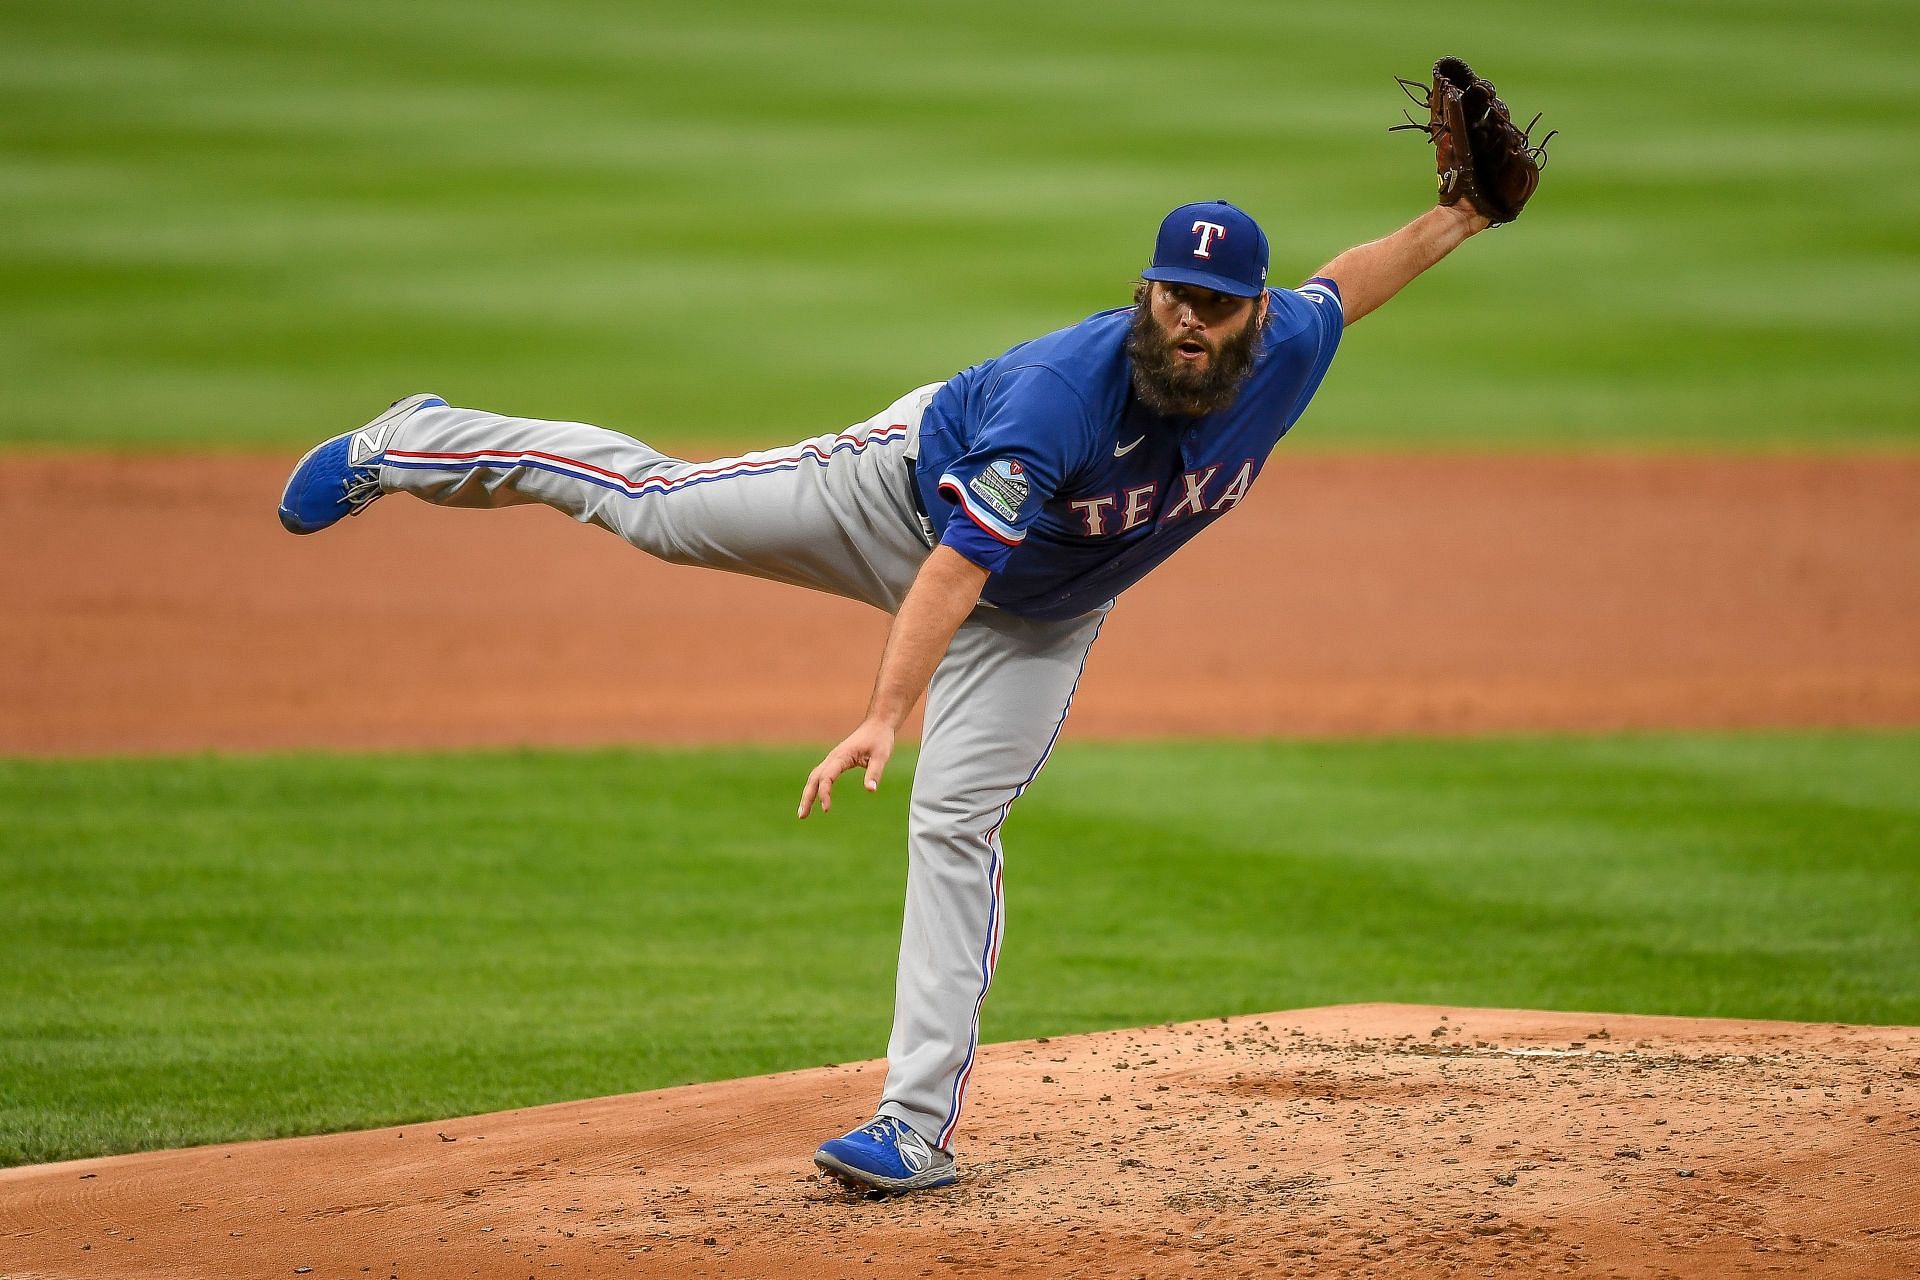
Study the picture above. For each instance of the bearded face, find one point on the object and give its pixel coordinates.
(1190, 356)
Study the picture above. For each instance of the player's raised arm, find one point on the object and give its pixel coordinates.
(1488, 169)
(1370, 273)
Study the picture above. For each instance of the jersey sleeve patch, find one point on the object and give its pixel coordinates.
(1002, 486)
(989, 499)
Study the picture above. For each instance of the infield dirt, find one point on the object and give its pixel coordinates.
(1362, 1140)
(154, 604)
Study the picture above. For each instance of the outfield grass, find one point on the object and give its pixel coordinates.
(242, 224)
(202, 949)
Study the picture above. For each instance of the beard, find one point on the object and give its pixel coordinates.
(1169, 385)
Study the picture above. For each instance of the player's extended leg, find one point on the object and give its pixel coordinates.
(994, 709)
(833, 513)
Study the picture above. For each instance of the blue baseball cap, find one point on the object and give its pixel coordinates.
(1211, 244)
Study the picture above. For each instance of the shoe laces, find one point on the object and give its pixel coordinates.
(882, 1129)
(361, 486)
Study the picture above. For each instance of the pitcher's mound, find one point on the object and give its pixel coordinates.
(1360, 1140)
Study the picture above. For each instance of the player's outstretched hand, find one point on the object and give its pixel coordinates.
(869, 747)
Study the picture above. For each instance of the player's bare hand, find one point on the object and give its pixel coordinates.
(869, 747)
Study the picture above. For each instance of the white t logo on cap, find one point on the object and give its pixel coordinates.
(1208, 230)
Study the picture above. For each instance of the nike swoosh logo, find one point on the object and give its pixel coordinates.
(1121, 451)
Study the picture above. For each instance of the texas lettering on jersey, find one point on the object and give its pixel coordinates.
(1131, 508)
(1043, 468)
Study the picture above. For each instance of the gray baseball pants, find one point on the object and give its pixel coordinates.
(833, 513)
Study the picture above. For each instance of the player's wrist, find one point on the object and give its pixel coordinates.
(1463, 217)
(883, 720)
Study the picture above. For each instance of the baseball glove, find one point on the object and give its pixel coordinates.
(1482, 156)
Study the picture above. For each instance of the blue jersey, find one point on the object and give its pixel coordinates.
(1043, 468)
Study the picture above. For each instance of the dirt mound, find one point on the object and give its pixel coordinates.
(156, 605)
(1361, 1140)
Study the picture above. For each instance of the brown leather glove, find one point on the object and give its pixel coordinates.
(1481, 155)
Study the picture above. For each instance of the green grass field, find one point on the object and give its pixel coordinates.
(206, 948)
(247, 224)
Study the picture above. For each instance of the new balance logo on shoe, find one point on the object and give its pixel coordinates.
(913, 1151)
(367, 445)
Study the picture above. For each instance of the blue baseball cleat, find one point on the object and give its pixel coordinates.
(339, 477)
(885, 1158)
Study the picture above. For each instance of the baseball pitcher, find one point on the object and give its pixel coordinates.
(996, 516)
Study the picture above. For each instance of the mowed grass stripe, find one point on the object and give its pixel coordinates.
(242, 225)
(206, 948)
